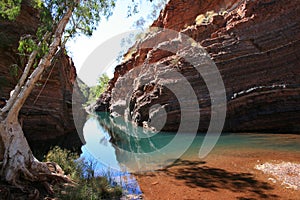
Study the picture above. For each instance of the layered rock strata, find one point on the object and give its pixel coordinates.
(255, 45)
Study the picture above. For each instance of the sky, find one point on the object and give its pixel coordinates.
(97, 54)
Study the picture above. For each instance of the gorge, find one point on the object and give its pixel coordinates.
(255, 45)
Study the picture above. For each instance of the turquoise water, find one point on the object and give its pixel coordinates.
(133, 149)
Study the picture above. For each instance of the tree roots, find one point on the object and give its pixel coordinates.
(37, 182)
(20, 170)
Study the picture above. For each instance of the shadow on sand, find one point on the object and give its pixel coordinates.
(196, 174)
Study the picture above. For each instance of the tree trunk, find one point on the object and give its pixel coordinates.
(18, 159)
(18, 165)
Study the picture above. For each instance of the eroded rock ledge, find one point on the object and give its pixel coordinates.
(256, 47)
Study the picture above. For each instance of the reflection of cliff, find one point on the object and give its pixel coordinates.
(47, 114)
(126, 135)
(256, 47)
(136, 148)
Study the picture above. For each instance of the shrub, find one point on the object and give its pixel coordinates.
(82, 172)
(66, 160)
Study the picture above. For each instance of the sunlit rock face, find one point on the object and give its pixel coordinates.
(47, 113)
(256, 47)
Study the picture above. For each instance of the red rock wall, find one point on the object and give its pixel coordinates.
(256, 48)
(47, 114)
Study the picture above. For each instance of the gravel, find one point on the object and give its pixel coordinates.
(286, 172)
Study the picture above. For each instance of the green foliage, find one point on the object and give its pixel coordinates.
(97, 90)
(85, 18)
(10, 9)
(83, 173)
(65, 159)
(43, 49)
(94, 189)
(157, 6)
(102, 84)
(26, 46)
(86, 14)
(37, 4)
(46, 23)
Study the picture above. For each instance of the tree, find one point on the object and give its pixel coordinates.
(59, 21)
(97, 90)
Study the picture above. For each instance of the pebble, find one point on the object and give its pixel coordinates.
(286, 172)
(154, 183)
(272, 180)
(132, 197)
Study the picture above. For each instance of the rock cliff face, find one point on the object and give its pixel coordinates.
(47, 114)
(255, 45)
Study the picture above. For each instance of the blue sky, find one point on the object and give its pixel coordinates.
(82, 47)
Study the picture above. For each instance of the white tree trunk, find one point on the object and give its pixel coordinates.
(18, 162)
(19, 165)
(18, 157)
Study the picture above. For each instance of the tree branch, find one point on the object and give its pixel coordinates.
(44, 63)
(25, 73)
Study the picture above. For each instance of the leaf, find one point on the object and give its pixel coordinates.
(10, 9)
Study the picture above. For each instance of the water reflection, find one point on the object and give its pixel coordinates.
(136, 149)
(120, 148)
(99, 151)
(120, 145)
(98, 145)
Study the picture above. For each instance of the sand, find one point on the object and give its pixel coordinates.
(223, 174)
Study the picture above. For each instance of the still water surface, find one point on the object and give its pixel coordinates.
(130, 150)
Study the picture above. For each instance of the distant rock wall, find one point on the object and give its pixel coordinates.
(47, 114)
(255, 45)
